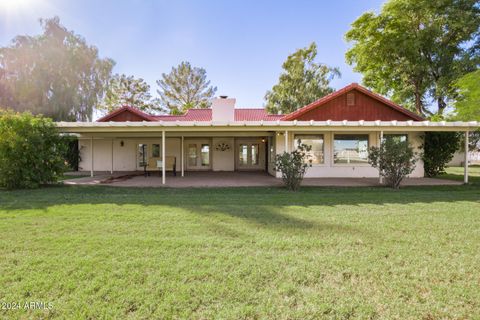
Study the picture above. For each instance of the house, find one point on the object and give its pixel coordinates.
(340, 127)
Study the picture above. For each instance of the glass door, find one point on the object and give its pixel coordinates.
(251, 154)
(142, 156)
(198, 153)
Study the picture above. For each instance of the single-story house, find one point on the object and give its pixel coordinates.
(340, 127)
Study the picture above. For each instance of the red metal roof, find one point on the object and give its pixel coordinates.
(294, 115)
(116, 113)
(253, 114)
(196, 115)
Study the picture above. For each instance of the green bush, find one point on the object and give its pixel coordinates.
(31, 152)
(293, 166)
(71, 151)
(438, 150)
(395, 160)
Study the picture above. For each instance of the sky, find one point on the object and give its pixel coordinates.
(241, 43)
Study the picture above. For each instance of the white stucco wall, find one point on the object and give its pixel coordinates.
(124, 157)
(331, 170)
(223, 160)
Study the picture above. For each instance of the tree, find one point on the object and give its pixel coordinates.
(438, 150)
(185, 87)
(394, 159)
(126, 90)
(56, 74)
(31, 151)
(467, 106)
(414, 50)
(293, 165)
(302, 81)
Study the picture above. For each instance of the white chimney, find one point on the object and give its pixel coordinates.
(223, 109)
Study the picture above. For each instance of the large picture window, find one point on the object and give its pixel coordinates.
(350, 148)
(314, 141)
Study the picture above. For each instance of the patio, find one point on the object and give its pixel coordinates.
(234, 179)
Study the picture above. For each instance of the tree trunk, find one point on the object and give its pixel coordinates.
(441, 105)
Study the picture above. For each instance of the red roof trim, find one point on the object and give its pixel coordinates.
(327, 98)
(133, 110)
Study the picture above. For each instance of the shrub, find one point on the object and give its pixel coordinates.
(395, 160)
(71, 151)
(293, 166)
(30, 151)
(438, 150)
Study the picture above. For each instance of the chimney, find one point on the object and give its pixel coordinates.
(223, 109)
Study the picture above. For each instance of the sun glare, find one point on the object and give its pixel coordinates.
(14, 4)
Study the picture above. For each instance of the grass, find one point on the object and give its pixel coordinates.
(245, 253)
(456, 173)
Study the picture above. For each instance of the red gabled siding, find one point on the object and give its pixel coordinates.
(364, 108)
(366, 105)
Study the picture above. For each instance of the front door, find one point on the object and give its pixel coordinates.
(250, 154)
(198, 154)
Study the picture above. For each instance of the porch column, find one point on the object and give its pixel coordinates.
(91, 157)
(182, 151)
(286, 141)
(111, 169)
(380, 178)
(163, 157)
(465, 166)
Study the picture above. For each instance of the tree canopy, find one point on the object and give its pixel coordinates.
(302, 81)
(56, 74)
(127, 90)
(467, 105)
(414, 50)
(185, 87)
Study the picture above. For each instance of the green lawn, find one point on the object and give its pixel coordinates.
(456, 173)
(353, 253)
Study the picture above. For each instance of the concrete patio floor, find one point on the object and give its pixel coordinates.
(234, 179)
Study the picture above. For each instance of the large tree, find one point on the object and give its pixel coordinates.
(414, 50)
(467, 105)
(56, 74)
(302, 81)
(127, 90)
(185, 87)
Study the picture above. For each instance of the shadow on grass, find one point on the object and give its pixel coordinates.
(232, 197)
(265, 208)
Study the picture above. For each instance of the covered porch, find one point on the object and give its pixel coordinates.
(234, 179)
(201, 150)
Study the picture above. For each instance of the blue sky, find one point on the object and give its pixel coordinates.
(241, 44)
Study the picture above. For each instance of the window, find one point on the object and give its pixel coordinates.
(271, 155)
(316, 142)
(142, 155)
(398, 137)
(243, 154)
(350, 148)
(205, 155)
(155, 150)
(254, 154)
(192, 155)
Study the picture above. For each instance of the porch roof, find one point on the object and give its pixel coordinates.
(146, 126)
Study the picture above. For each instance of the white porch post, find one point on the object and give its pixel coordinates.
(286, 140)
(163, 157)
(91, 157)
(380, 178)
(111, 168)
(465, 166)
(182, 151)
